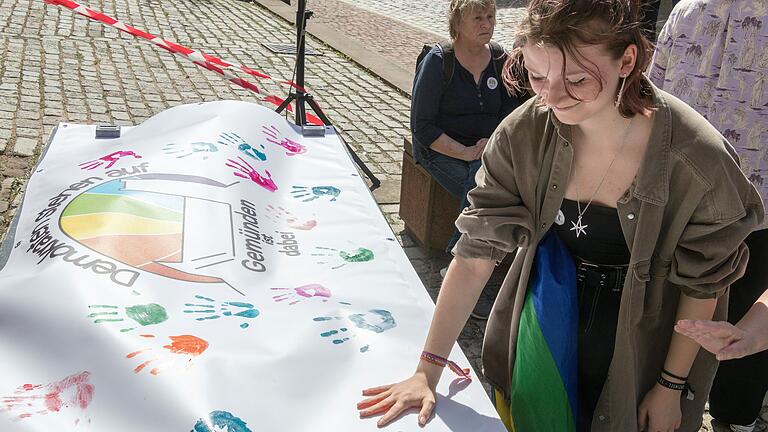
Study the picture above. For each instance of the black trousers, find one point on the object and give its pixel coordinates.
(599, 289)
(740, 385)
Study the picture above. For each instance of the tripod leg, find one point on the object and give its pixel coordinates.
(316, 108)
(286, 102)
(375, 182)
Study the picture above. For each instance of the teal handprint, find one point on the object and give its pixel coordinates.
(315, 192)
(221, 421)
(236, 141)
(144, 315)
(203, 149)
(375, 320)
(246, 310)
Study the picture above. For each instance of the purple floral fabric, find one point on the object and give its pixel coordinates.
(713, 54)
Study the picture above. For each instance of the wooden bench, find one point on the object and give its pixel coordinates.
(426, 208)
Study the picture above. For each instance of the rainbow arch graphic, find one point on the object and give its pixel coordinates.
(144, 221)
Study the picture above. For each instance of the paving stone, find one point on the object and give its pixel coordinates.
(24, 146)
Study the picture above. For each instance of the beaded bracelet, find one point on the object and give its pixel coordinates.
(442, 362)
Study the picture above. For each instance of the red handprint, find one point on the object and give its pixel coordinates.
(109, 159)
(273, 136)
(36, 399)
(249, 172)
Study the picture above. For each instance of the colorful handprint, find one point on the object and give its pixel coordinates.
(202, 149)
(292, 147)
(221, 421)
(210, 311)
(279, 213)
(246, 171)
(234, 140)
(375, 320)
(144, 315)
(296, 295)
(109, 160)
(74, 391)
(338, 258)
(182, 349)
(315, 192)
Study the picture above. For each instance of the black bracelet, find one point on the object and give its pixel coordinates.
(670, 374)
(671, 385)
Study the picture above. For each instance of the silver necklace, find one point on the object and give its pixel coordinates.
(579, 226)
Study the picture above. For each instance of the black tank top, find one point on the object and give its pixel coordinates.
(599, 240)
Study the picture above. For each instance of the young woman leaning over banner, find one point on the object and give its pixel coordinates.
(629, 212)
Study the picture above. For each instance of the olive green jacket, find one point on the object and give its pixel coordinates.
(684, 218)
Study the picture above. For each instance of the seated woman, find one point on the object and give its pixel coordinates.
(453, 117)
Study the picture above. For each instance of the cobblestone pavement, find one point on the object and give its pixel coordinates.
(432, 15)
(385, 35)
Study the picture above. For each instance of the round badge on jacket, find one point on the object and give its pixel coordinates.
(560, 218)
(492, 83)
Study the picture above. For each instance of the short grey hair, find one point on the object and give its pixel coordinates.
(459, 8)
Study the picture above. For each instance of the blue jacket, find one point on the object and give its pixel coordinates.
(465, 111)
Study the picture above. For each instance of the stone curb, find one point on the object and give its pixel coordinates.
(385, 69)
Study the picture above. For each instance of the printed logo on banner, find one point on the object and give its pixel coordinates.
(138, 221)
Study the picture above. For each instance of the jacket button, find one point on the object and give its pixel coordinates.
(630, 216)
(543, 226)
(565, 144)
(601, 417)
(554, 187)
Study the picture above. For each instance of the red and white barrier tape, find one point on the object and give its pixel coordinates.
(206, 61)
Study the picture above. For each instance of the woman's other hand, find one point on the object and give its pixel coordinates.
(393, 399)
(473, 153)
(660, 410)
(723, 339)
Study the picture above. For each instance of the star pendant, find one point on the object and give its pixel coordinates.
(578, 227)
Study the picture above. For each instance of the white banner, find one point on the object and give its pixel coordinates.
(209, 270)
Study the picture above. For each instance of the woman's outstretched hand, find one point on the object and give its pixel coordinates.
(393, 399)
(723, 339)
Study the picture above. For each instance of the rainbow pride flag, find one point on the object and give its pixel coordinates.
(544, 379)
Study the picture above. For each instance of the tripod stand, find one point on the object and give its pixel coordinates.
(301, 97)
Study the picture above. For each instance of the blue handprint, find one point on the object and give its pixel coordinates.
(375, 320)
(189, 149)
(248, 310)
(315, 192)
(221, 421)
(235, 140)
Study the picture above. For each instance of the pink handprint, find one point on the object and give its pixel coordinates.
(37, 399)
(296, 295)
(249, 172)
(273, 136)
(275, 214)
(109, 159)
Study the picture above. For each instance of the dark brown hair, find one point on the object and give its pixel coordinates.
(566, 24)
